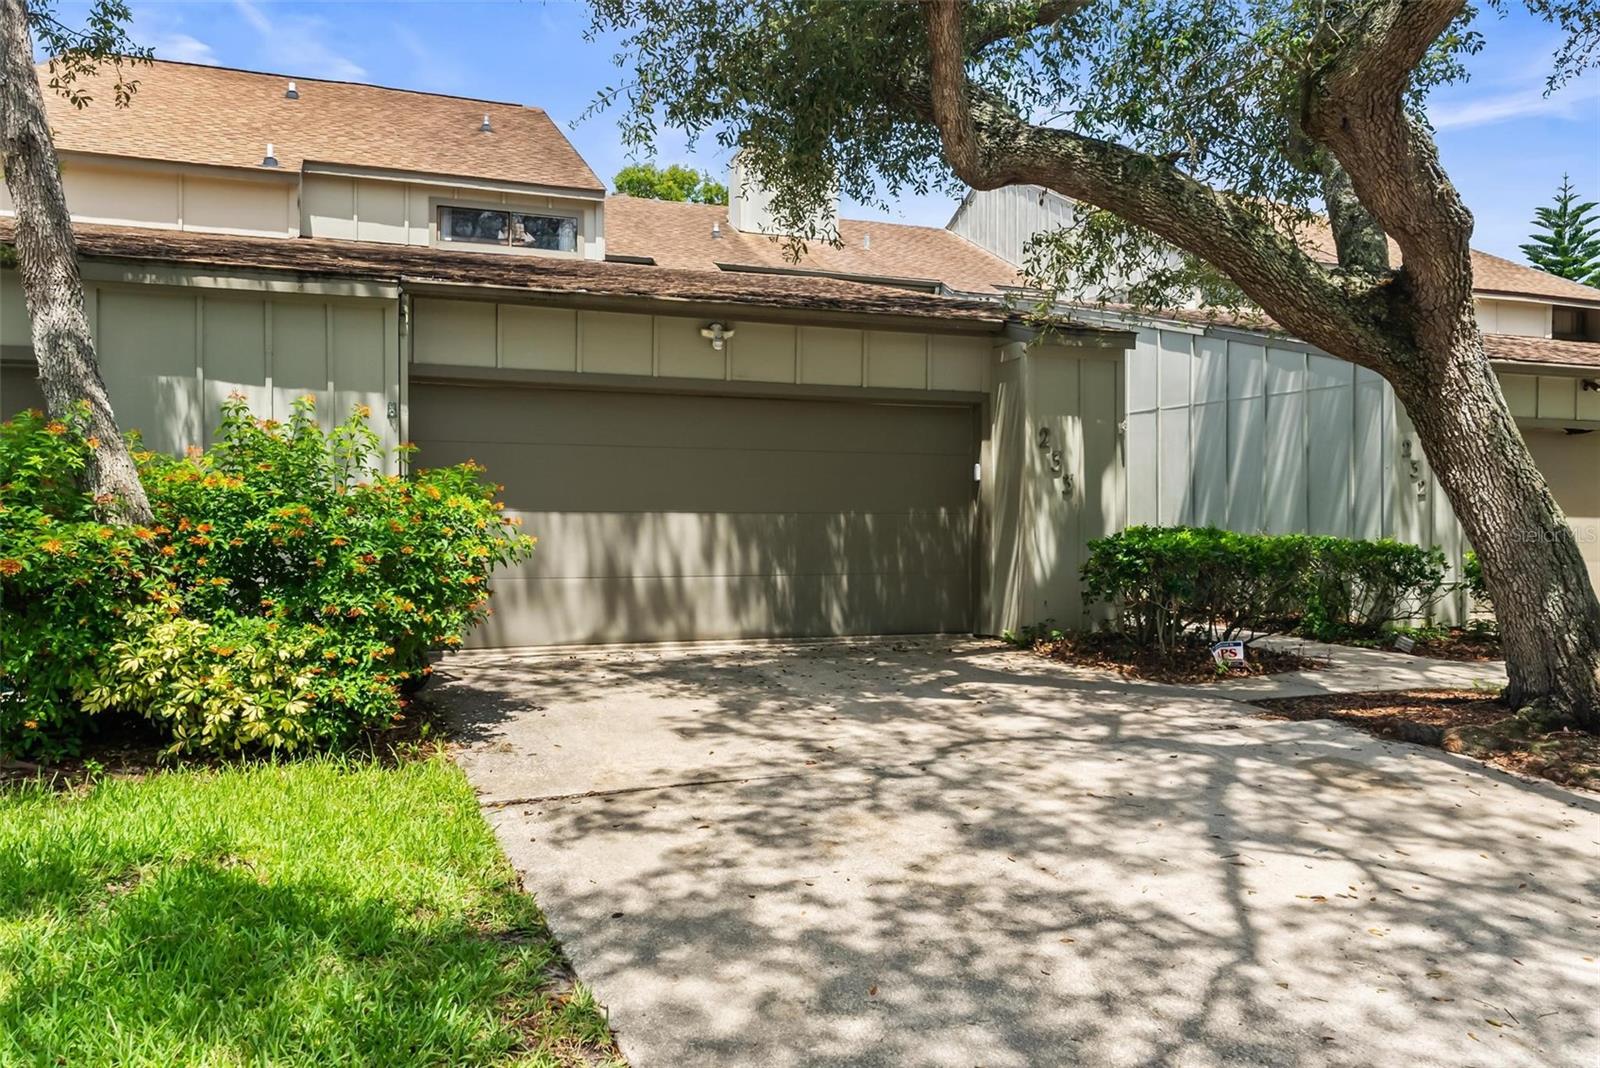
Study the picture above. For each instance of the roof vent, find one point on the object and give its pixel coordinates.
(866, 242)
(485, 127)
(271, 158)
(716, 229)
(291, 93)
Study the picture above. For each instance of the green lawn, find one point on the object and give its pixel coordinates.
(321, 913)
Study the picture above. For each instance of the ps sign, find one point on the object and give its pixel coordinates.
(1228, 654)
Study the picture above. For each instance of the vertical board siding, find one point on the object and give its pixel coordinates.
(172, 356)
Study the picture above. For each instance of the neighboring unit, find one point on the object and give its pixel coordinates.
(1249, 429)
(706, 449)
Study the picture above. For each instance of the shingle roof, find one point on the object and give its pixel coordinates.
(188, 113)
(1511, 349)
(1490, 274)
(620, 285)
(679, 235)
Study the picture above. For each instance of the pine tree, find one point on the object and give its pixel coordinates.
(1571, 246)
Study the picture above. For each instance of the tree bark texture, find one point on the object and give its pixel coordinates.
(1415, 325)
(47, 260)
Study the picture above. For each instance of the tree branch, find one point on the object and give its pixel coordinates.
(1355, 106)
(988, 145)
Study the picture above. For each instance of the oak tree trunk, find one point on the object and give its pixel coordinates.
(1546, 607)
(47, 260)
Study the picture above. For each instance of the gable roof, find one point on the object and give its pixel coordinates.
(218, 116)
(678, 234)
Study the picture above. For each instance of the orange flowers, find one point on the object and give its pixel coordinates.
(143, 533)
(52, 545)
(56, 427)
(9, 566)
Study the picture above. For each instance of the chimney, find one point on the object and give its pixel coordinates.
(750, 204)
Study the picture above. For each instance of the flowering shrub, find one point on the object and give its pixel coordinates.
(64, 579)
(234, 683)
(288, 591)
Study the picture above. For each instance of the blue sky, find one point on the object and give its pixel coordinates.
(1503, 142)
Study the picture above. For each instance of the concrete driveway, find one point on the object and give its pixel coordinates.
(942, 852)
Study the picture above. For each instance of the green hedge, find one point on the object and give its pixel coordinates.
(284, 598)
(1160, 581)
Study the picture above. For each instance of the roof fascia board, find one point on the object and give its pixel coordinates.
(588, 380)
(141, 273)
(737, 311)
(1551, 370)
(1072, 335)
(448, 181)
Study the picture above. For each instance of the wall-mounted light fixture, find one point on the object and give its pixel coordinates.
(717, 333)
(271, 158)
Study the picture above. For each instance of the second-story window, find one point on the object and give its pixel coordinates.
(507, 228)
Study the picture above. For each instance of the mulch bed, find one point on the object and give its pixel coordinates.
(1189, 662)
(1461, 643)
(1457, 721)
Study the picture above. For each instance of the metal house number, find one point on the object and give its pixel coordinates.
(1058, 461)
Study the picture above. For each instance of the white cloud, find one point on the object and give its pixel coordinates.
(297, 44)
(1580, 99)
(181, 47)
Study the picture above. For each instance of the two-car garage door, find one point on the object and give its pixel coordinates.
(676, 517)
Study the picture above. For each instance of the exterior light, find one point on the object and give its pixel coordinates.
(485, 127)
(291, 93)
(271, 158)
(718, 334)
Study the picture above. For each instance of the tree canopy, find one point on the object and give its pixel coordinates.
(1570, 243)
(673, 182)
(834, 96)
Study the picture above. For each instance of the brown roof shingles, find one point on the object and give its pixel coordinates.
(1507, 348)
(556, 277)
(215, 116)
(679, 235)
(1491, 275)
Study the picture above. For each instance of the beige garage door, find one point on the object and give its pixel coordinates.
(670, 517)
(1571, 464)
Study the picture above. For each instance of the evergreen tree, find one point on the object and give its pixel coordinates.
(1570, 245)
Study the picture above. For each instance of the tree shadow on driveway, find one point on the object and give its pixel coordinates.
(942, 853)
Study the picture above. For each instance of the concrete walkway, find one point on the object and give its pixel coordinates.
(930, 852)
